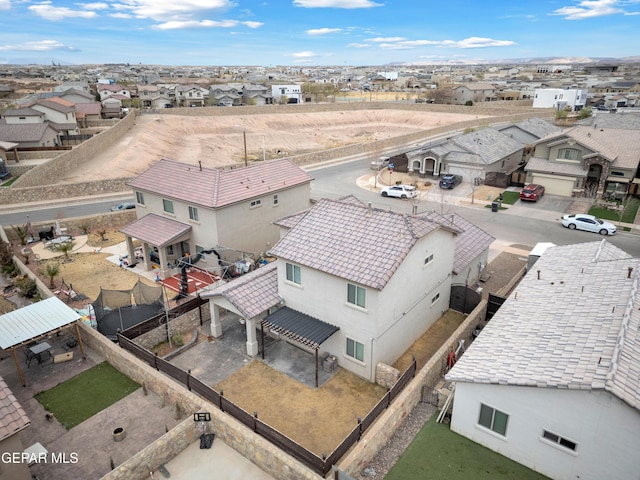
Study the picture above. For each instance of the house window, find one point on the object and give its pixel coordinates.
(570, 154)
(355, 349)
(293, 273)
(356, 295)
(428, 260)
(256, 203)
(167, 206)
(140, 198)
(435, 298)
(193, 214)
(275, 200)
(558, 440)
(615, 173)
(493, 419)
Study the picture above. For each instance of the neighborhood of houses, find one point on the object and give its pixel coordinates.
(552, 380)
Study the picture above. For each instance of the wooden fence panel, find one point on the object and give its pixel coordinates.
(174, 372)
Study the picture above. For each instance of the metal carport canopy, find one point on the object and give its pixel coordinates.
(28, 323)
(299, 327)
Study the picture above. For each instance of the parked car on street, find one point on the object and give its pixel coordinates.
(399, 191)
(382, 162)
(532, 193)
(588, 223)
(450, 181)
(123, 206)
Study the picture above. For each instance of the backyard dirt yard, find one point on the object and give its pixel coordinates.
(218, 141)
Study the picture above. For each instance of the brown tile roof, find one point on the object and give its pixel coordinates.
(156, 230)
(24, 132)
(252, 293)
(470, 242)
(361, 244)
(216, 188)
(13, 418)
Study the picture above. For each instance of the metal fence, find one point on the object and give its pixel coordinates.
(161, 318)
(321, 465)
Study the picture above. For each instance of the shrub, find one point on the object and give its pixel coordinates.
(27, 286)
(177, 339)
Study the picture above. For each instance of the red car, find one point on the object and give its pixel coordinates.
(532, 193)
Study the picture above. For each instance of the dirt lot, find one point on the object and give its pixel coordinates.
(219, 141)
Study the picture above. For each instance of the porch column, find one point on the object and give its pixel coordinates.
(216, 323)
(146, 256)
(162, 256)
(252, 337)
(130, 250)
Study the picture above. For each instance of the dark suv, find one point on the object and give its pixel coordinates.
(450, 181)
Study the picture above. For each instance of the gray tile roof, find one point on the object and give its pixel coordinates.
(360, 244)
(538, 127)
(487, 144)
(252, 293)
(576, 327)
(25, 132)
(624, 121)
(536, 164)
(620, 146)
(22, 112)
(13, 418)
(470, 242)
(156, 230)
(216, 188)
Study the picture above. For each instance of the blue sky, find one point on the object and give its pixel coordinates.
(313, 32)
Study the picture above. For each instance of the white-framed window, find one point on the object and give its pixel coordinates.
(193, 213)
(435, 298)
(428, 260)
(558, 440)
(256, 203)
(293, 273)
(355, 349)
(140, 198)
(569, 154)
(167, 206)
(356, 295)
(493, 419)
(276, 201)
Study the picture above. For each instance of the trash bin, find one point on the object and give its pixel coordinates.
(494, 206)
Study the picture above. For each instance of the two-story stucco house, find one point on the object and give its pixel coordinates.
(553, 381)
(292, 93)
(191, 95)
(183, 208)
(474, 92)
(356, 282)
(586, 161)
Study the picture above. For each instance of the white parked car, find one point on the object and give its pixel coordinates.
(399, 191)
(588, 223)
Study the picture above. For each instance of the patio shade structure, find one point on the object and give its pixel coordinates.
(300, 328)
(33, 322)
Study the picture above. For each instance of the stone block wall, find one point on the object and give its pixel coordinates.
(252, 446)
(379, 434)
(182, 324)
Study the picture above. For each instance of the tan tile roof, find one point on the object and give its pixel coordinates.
(216, 188)
(576, 327)
(13, 418)
(251, 294)
(470, 242)
(620, 146)
(156, 230)
(361, 244)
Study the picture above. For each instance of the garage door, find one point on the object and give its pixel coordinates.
(554, 185)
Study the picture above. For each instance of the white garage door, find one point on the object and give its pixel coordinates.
(554, 185)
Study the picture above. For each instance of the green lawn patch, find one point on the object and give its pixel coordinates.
(437, 453)
(81, 397)
(509, 197)
(628, 214)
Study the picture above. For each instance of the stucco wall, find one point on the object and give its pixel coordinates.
(183, 324)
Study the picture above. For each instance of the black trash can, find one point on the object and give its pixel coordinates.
(494, 206)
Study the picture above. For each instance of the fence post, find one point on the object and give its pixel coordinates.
(200, 309)
(189, 378)
(255, 423)
(220, 400)
(359, 428)
(155, 361)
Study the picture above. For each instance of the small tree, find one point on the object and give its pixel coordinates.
(65, 248)
(21, 231)
(102, 234)
(52, 270)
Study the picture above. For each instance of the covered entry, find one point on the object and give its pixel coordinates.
(299, 328)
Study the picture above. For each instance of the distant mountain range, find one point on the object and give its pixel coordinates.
(535, 61)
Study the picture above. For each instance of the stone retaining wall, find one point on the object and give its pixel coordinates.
(379, 434)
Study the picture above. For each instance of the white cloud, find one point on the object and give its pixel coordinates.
(590, 9)
(173, 10)
(5, 4)
(40, 46)
(476, 42)
(359, 45)
(347, 4)
(120, 15)
(49, 12)
(386, 39)
(306, 54)
(94, 6)
(174, 25)
(323, 31)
